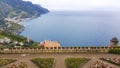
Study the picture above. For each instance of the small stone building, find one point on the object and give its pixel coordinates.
(49, 44)
(114, 42)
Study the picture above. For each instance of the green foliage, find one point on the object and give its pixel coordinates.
(115, 51)
(44, 62)
(13, 26)
(33, 45)
(18, 38)
(75, 62)
(12, 36)
(1, 36)
(5, 61)
(2, 47)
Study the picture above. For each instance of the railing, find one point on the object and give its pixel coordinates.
(56, 50)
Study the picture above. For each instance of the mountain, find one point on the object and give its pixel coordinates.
(14, 11)
(20, 9)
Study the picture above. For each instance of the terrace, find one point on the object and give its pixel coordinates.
(59, 59)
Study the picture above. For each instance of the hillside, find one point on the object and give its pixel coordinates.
(20, 9)
(8, 39)
(14, 11)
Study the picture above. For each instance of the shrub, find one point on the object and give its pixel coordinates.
(5, 61)
(115, 51)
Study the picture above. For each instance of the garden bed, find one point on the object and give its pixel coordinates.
(115, 61)
(4, 62)
(75, 62)
(19, 65)
(44, 62)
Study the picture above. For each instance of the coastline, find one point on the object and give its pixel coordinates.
(15, 25)
(26, 19)
(19, 22)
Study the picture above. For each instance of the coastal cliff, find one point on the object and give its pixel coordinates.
(14, 11)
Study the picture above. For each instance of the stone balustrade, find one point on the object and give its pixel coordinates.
(56, 50)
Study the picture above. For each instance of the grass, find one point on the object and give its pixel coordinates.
(44, 62)
(5, 61)
(75, 62)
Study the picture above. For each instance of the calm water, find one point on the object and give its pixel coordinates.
(84, 28)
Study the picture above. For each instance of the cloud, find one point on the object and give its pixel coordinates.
(79, 4)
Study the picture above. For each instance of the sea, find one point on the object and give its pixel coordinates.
(74, 28)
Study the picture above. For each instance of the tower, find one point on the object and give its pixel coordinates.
(114, 42)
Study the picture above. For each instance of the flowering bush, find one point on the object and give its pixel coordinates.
(115, 61)
(19, 65)
(99, 64)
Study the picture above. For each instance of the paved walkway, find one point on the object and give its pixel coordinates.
(58, 57)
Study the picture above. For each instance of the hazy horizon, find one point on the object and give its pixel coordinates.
(78, 5)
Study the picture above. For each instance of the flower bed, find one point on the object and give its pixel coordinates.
(19, 65)
(115, 61)
(75, 62)
(99, 64)
(44, 62)
(5, 61)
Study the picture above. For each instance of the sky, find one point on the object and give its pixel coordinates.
(78, 5)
